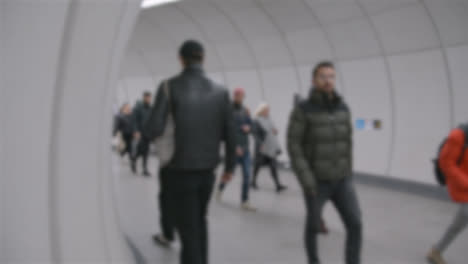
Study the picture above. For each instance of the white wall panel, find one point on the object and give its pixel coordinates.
(270, 51)
(2, 139)
(354, 39)
(121, 95)
(162, 62)
(234, 6)
(309, 46)
(306, 80)
(137, 86)
(181, 32)
(378, 6)
(94, 37)
(219, 29)
(337, 11)
(451, 18)
(165, 14)
(149, 37)
(406, 29)
(134, 65)
(253, 22)
(291, 15)
(28, 92)
(368, 97)
(422, 113)
(61, 59)
(236, 56)
(458, 61)
(212, 58)
(280, 87)
(249, 80)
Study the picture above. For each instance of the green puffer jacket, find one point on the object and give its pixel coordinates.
(320, 140)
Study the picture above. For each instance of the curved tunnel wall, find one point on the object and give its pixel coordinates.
(59, 66)
(403, 62)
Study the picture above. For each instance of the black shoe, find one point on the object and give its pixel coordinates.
(146, 173)
(281, 188)
(162, 241)
(254, 186)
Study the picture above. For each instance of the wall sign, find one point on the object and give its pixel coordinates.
(362, 124)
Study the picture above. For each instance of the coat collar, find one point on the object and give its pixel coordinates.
(322, 98)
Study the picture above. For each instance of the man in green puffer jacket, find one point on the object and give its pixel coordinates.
(320, 149)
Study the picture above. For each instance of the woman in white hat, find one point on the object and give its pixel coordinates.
(267, 147)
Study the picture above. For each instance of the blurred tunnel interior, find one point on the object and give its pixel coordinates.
(67, 67)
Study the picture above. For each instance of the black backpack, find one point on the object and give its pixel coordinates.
(440, 176)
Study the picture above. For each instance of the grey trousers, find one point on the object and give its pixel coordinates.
(455, 229)
(343, 196)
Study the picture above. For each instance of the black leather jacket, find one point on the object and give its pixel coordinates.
(203, 117)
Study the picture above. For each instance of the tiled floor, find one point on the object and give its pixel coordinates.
(399, 227)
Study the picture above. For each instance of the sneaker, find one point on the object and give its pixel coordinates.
(281, 189)
(162, 241)
(435, 257)
(254, 186)
(146, 173)
(247, 207)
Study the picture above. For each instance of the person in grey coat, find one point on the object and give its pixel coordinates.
(267, 147)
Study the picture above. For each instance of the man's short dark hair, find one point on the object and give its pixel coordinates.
(192, 51)
(146, 94)
(321, 65)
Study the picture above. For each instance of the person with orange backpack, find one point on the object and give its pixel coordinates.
(451, 169)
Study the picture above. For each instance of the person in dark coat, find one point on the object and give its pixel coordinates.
(141, 113)
(124, 124)
(203, 119)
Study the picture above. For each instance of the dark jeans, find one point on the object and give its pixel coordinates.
(262, 160)
(190, 193)
(344, 198)
(246, 164)
(127, 138)
(166, 218)
(142, 150)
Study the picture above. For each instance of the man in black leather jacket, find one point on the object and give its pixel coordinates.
(203, 118)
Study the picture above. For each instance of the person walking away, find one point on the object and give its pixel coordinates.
(320, 148)
(243, 124)
(267, 146)
(453, 162)
(124, 125)
(141, 113)
(203, 118)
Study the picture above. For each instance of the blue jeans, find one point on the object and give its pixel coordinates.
(245, 162)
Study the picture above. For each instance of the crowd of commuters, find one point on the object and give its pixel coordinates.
(319, 145)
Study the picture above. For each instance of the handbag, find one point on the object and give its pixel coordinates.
(165, 144)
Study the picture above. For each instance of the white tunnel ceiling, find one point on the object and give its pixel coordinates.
(248, 34)
(400, 48)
